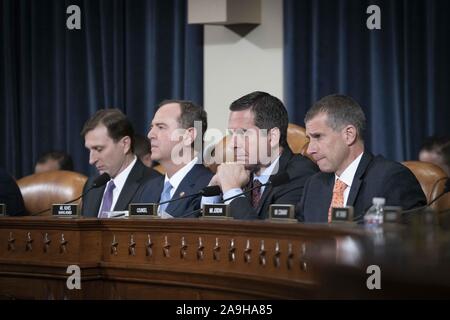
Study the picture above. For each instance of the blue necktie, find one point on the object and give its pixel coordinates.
(107, 200)
(165, 196)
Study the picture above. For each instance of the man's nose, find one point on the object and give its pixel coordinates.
(92, 158)
(151, 134)
(311, 148)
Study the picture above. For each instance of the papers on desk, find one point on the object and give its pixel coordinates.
(117, 214)
(125, 214)
(165, 215)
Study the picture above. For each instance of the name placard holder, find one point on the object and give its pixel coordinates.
(282, 213)
(342, 215)
(392, 214)
(143, 210)
(65, 210)
(216, 211)
(2, 209)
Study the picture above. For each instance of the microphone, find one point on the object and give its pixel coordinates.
(101, 180)
(205, 192)
(446, 189)
(274, 180)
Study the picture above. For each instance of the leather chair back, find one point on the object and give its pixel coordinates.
(297, 139)
(160, 169)
(41, 190)
(432, 180)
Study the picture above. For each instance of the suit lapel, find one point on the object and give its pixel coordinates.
(358, 178)
(186, 187)
(285, 157)
(327, 196)
(94, 201)
(130, 187)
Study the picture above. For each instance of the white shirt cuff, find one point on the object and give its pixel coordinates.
(231, 193)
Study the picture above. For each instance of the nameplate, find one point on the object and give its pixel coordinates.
(2, 209)
(217, 210)
(344, 214)
(392, 214)
(284, 212)
(147, 210)
(65, 210)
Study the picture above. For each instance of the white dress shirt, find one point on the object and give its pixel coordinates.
(176, 179)
(348, 175)
(263, 178)
(119, 181)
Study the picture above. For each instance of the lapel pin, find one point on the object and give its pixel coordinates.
(182, 194)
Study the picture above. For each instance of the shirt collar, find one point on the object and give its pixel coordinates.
(121, 178)
(176, 179)
(265, 175)
(349, 173)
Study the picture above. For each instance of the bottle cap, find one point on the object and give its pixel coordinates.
(379, 201)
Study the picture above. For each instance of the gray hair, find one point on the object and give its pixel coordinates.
(341, 110)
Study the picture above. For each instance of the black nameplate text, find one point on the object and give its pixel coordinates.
(143, 210)
(281, 211)
(392, 214)
(217, 210)
(65, 210)
(344, 214)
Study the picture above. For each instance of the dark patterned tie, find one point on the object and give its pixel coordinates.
(256, 193)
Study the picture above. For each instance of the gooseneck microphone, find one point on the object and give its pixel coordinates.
(101, 180)
(205, 192)
(446, 189)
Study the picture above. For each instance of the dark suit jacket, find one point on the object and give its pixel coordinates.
(139, 174)
(299, 169)
(195, 180)
(375, 177)
(10, 195)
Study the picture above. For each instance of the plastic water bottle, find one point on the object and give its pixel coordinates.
(374, 216)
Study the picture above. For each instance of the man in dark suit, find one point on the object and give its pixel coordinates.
(10, 195)
(109, 138)
(258, 125)
(349, 174)
(176, 136)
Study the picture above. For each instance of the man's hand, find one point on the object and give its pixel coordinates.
(214, 181)
(232, 175)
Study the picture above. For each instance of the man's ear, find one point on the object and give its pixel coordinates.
(126, 144)
(274, 136)
(189, 136)
(350, 134)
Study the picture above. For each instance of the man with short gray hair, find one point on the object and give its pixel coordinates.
(350, 175)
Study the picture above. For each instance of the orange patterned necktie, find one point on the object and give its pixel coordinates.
(338, 197)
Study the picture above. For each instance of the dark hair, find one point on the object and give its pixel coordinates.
(435, 143)
(269, 112)
(190, 112)
(116, 123)
(65, 161)
(342, 110)
(445, 152)
(141, 145)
